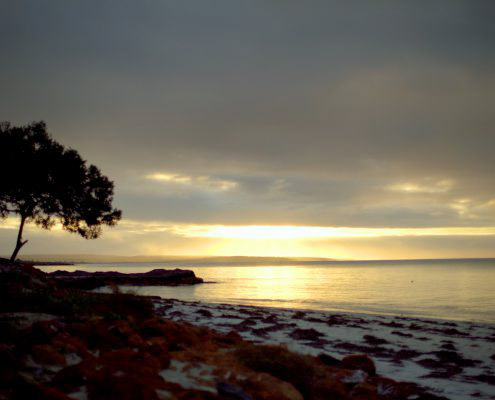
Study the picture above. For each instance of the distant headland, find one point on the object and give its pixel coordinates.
(71, 259)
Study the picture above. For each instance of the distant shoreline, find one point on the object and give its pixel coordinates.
(47, 260)
(47, 263)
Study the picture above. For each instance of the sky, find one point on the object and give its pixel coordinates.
(356, 130)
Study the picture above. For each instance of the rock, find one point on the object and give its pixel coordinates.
(79, 329)
(374, 340)
(74, 376)
(392, 324)
(50, 393)
(43, 331)
(122, 329)
(485, 378)
(452, 332)
(365, 349)
(299, 315)
(231, 338)
(65, 343)
(92, 280)
(204, 313)
(305, 334)
(136, 341)
(440, 368)
(453, 357)
(159, 348)
(231, 391)
(329, 360)
(8, 365)
(448, 346)
(47, 354)
(126, 360)
(336, 320)
(263, 332)
(126, 387)
(403, 334)
(328, 388)
(349, 377)
(364, 391)
(101, 336)
(406, 354)
(262, 386)
(306, 373)
(178, 336)
(389, 389)
(360, 361)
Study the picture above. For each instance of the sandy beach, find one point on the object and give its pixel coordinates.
(451, 359)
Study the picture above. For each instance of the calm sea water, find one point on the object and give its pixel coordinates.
(450, 289)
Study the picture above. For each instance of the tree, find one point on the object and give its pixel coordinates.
(43, 182)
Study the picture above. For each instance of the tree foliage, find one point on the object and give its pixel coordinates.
(44, 182)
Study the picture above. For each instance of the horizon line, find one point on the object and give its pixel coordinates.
(198, 257)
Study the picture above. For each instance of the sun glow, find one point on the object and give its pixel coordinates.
(272, 232)
(167, 238)
(428, 186)
(288, 232)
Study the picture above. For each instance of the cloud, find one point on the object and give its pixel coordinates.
(429, 186)
(327, 114)
(313, 232)
(9, 223)
(194, 181)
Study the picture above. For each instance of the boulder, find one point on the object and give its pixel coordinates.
(360, 361)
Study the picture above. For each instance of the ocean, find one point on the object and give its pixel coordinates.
(461, 290)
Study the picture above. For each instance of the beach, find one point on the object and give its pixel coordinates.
(450, 358)
(427, 322)
(64, 343)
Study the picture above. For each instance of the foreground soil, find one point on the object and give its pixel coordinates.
(65, 343)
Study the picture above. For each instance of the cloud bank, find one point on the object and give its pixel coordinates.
(369, 115)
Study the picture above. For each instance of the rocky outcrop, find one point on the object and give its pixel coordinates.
(92, 280)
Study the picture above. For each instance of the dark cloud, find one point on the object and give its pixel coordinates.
(314, 110)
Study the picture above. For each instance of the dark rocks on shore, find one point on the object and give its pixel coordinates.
(306, 334)
(92, 280)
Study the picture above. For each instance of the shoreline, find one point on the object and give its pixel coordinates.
(368, 313)
(155, 291)
(454, 359)
(61, 343)
(420, 292)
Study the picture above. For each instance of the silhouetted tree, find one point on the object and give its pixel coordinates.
(44, 182)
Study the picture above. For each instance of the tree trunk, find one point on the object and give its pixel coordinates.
(19, 243)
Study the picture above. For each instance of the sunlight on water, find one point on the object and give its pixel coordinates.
(455, 290)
